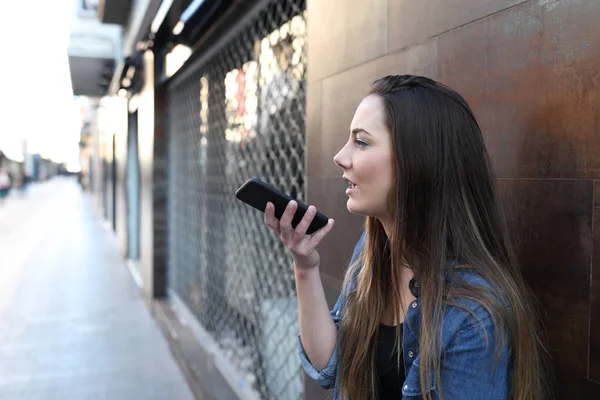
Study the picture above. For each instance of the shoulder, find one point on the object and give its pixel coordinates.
(465, 311)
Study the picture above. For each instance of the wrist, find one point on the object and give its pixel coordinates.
(303, 273)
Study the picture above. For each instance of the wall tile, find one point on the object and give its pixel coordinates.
(574, 387)
(551, 224)
(357, 33)
(331, 295)
(413, 21)
(314, 121)
(535, 83)
(464, 68)
(594, 362)
(313, 391)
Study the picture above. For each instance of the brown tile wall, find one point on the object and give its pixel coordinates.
(530, 71)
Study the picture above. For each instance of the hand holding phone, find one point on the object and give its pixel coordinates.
(290, 219)
(257, 194)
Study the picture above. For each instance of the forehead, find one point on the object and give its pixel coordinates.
(369, 114)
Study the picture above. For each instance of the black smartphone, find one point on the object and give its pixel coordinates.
(257, 194)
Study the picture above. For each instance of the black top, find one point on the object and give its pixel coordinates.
(391, 375)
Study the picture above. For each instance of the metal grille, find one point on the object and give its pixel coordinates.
(241, 114)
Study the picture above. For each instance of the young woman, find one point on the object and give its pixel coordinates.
(433, 305)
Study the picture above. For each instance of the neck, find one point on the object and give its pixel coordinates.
(388, 226)
(407, 272)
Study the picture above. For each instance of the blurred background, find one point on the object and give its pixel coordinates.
(128, 269)
(50, 139)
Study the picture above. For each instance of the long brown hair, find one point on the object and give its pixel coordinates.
(445, 209)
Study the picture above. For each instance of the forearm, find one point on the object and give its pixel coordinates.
(317, 330)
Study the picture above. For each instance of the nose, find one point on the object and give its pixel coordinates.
(341, 159)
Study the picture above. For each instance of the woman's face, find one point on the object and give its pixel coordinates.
(367, 160)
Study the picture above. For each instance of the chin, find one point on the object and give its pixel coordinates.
(355, 208)
(359, 209)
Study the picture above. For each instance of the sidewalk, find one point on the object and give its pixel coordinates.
(72, 322)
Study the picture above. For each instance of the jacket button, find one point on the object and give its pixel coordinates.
(414, 304)
(411, 354)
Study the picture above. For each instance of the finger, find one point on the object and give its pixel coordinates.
(308, 217)
(285, 223)
(318, 236)
(270, 219)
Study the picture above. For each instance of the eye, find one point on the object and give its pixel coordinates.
(360, 143)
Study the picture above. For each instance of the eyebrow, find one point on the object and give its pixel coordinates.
(360, 130)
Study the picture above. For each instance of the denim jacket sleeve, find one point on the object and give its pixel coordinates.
(327, 376)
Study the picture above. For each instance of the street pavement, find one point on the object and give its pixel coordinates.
(73, 324)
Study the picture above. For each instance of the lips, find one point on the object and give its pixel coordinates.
(351, 184)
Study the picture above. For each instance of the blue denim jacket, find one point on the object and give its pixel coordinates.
(467, 364)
